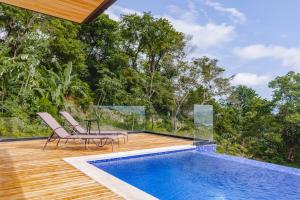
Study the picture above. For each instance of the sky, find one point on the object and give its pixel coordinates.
(254, 40)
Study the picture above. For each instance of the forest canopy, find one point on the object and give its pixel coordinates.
(47, 64)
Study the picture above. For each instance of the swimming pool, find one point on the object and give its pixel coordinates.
(186, 173)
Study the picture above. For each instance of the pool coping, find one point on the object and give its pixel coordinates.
(115, 184)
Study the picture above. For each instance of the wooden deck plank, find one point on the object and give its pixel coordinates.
(28, 172)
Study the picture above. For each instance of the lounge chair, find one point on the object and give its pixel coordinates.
(58, 132)
(76, 127)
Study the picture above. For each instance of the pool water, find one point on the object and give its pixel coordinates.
(195, 175)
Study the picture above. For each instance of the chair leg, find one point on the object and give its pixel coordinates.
(112, 145)
(118, 143)
(66, 141)
(46, 144)
(57, 142)
(96, 143)
(48, 140)
(85, 144)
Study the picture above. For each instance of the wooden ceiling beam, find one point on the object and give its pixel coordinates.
(79, 11)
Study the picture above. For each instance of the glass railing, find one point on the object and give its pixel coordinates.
(203, 122)
(16, 127)
(195, 123)
(121, 117)
(179, 124)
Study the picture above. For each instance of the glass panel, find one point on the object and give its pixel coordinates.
(121, 117)
(16, 127)
(80, 115)
(195, 122)
(203, 120)
(179, 123)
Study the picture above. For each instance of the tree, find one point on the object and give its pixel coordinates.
(34, 51)
(105, 58)
(202, 74)
(210, 75)
(63, 46)
(184, 83)
(152, 44)
(286, 96)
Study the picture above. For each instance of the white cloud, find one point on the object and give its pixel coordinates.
(235, 14)
(289, 57)
(189, 14)
(204, 36)
(250, 79)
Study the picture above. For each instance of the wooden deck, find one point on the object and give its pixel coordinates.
(27, 172)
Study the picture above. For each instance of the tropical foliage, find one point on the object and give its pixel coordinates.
(47, 64)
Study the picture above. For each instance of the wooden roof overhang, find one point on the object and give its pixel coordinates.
(79, 11)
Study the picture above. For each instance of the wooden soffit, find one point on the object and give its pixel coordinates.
(80, 11)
